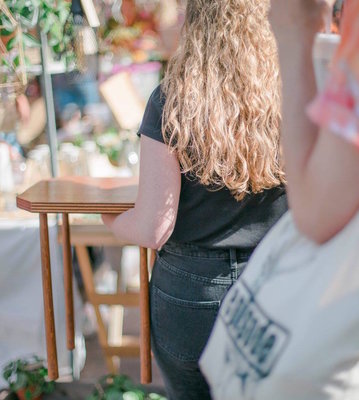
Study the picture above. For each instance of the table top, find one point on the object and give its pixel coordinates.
(84, 195)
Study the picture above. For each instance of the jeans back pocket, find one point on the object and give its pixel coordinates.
(181, 327)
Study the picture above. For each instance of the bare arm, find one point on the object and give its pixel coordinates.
(322, 169)
(152, 220)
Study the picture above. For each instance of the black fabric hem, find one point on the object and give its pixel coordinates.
(153, 134)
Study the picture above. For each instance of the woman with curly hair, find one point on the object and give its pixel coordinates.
(211, 178)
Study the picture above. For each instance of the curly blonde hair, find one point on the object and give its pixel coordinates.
(222, 111)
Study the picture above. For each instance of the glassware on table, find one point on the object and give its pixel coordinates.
(38, 165)
(72, 160)
(7, 196)
(6, 176)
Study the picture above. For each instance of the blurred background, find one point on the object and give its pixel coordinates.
(75, 77)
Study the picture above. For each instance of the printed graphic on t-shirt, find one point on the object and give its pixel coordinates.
(256, 343)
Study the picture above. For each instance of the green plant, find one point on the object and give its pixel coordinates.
(51, 16)
(29, 374)
(120, 387)
(111, 144)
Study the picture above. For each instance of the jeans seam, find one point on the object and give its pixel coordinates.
(200, 305)
(193, 277)
(197, 255)
(175, 355)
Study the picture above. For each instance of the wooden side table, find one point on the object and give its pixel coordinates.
(83, 195)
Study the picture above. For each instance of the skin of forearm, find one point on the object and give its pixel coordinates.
(299, 135)
(321, 168)
(328, 197)
(151, 222)
(127, 228)
(131, 228)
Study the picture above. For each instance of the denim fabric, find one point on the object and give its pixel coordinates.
(187, 286)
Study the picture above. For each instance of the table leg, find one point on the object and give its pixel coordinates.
(69, 298)
(152, 258)
(48, 302)
(145, 343)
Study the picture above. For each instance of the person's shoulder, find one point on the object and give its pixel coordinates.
(157, 98)
(151, 124)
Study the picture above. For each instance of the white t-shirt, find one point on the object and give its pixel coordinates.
(289, 328)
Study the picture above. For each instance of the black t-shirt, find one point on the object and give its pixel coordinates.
(215, 219)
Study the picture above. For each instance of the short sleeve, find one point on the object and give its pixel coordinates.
(151, 125)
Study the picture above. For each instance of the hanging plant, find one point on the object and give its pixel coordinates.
(13, 79)
(52, 17)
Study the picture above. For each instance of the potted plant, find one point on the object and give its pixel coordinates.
(120, 387)
(27, 378)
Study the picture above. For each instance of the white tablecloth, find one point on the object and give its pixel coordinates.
(21, 308)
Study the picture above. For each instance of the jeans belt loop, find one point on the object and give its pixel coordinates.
(234, 264)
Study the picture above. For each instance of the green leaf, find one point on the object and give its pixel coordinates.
(49, 387)
(128, 384)
(56, 30)
(48, 3)
(11, 43)
(30, 41)
(46, 23)
(26, 14)
(119, 380)
(16, 61)
(54, 42)
(19, 5)
(6, 23)
(155, 396)
(5, 32)
(57, 48)
(63, 15)
(92, 397)
(113, 394)
(21, 381)
(7, 371)
(132, 396)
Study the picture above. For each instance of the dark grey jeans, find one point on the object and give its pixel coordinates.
(187, 286)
